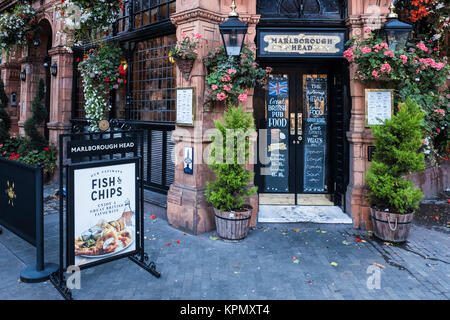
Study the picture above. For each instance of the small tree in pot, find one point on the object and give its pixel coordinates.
(393, 198)
(230, 191)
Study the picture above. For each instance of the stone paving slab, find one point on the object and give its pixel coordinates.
(260, 267)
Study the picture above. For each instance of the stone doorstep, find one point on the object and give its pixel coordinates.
(314, 214)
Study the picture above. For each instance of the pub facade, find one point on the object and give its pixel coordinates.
(311, 101)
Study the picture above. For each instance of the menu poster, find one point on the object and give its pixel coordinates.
(315, 136)
(277, 135)
(103, 211)
(379, 105)
(185, 106)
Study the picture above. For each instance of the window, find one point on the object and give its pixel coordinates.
(302, 9)
(153, 81)
(150, 11)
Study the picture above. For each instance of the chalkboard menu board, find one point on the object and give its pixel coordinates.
(315, 133)
(277, 135)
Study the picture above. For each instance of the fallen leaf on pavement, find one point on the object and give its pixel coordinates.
(388, 243)
(213, 237)
(379, 265)
(334, 264)
(153, 216)
(347, 243)
(296, 261)
(296, 230)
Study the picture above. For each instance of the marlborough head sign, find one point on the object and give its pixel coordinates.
(276, 43)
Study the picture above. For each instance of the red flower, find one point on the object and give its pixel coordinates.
(122, 71)
(85, 56)
(168, 243)
(357, 239)
(179, 241)
(78, 59)
(47, 149)
(106, 79)
(153, 216)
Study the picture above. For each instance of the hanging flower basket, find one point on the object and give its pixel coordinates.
(185, 66)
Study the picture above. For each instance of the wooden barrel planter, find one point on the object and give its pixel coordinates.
(391, 227)
(233, 226)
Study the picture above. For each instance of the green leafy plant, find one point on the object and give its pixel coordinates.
(5, 120)
(18, 27)
(86, 20)
(229, 78)
(102, 70)
(417, 72)
(38, 117)
(230, 152)
(187, 49)
(18, 148)
(397, 146)
(429, 17)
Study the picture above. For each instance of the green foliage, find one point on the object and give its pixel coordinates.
(397, 146)
(102, 71)
(418, 72)
(18, 27)
(39, 114)
(230, 77)
(5, 120)
(186, 48)
(18, 148)
(229, 153)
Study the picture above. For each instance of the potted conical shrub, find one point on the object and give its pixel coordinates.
(229, 193)
(392, 197)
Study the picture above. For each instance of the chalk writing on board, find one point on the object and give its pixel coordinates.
(277, 135)
(315, 137)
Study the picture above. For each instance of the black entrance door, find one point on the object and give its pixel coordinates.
(295, 169)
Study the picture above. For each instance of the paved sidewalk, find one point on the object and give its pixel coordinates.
(329, 264)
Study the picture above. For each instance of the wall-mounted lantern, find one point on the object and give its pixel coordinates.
(233, 33)
(54, 69)
(13, 99)
(23, 75)
(397, 32)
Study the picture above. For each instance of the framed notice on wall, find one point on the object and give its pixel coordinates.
(185, 106)
(379, 105)
(102, 211)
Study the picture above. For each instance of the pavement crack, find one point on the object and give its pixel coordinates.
(406, 248)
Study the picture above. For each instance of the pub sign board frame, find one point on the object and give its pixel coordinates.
(73, 160)
(378, 102)
(291, 42)
(186, 106)
(101, 195)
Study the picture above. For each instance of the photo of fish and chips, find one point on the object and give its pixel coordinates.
(106, 238)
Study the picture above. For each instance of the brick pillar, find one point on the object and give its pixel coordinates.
(10, 73)
(187, 208)
(61, 93)
(361, 15)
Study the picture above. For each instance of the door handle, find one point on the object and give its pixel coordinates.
(299, 125)
(292, 130)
